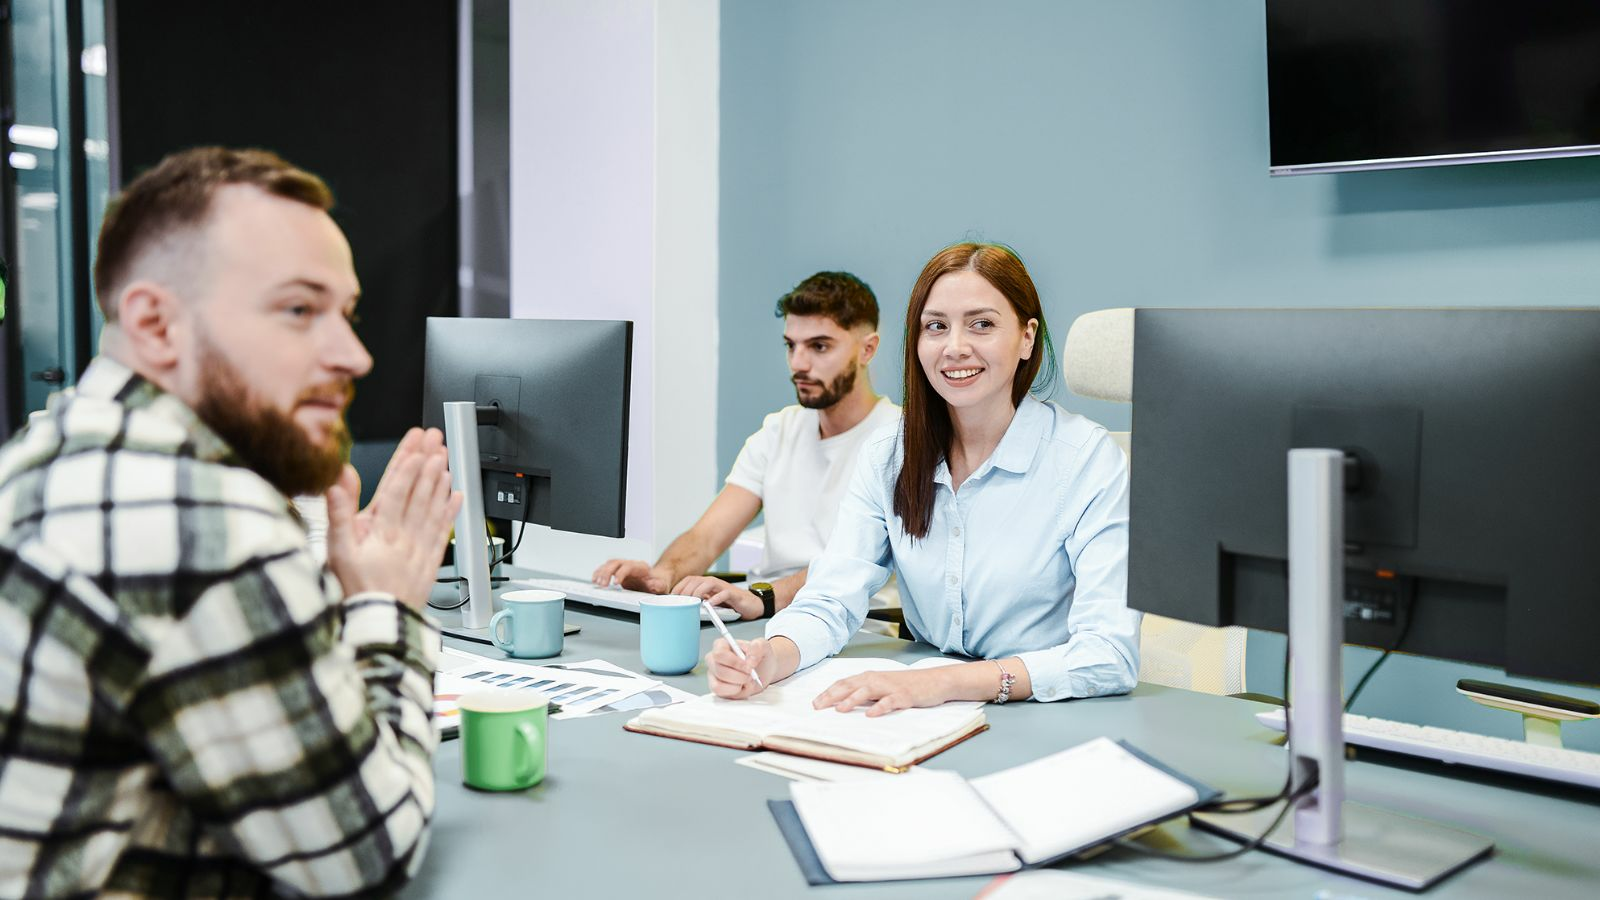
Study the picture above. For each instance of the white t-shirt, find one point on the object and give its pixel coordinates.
(800, 479)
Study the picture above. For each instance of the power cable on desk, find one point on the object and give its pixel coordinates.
(1245, 804)
(1288, 798)
(1251, 804)
(1254, 843)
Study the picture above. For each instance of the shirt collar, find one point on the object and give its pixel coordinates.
(1017, 447)
(1020, 443)
(109, 380)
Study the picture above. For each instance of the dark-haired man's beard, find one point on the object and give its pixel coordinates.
(830, 394)
(267, 439)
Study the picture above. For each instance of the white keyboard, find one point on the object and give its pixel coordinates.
(608, 597)
(1463, 747)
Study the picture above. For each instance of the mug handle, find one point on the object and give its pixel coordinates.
(494, 630)
(534, 742)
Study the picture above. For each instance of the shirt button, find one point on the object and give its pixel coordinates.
(952, 579)
(956, 531)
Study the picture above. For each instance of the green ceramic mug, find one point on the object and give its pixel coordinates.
(503, 738)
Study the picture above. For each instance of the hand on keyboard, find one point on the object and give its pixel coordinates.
(634, 575)
(608, 597)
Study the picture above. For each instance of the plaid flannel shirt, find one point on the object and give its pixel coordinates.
(188, 704)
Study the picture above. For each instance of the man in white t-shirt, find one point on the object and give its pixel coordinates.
(796, 467)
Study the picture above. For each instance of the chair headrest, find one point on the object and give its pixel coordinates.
(1097, 356)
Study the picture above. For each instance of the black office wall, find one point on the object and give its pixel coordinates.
(361, 93)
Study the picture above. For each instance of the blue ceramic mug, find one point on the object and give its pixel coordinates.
(669, 633)
(534, 620)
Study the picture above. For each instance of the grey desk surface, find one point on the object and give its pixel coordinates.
(630, 815)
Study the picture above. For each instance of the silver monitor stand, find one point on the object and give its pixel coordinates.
(472, 556)
(1325, 829)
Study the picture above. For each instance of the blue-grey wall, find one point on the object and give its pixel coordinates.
(1121, 147)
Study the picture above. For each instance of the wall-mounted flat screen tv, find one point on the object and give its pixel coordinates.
(1370, 84)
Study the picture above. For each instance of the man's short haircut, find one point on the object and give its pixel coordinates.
(840, 296)
(175, 196)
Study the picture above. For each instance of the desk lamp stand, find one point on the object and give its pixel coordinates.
(472, 555)
(1327, 830)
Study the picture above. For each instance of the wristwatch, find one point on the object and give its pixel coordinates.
(769, 600)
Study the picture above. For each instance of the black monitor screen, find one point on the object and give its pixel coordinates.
(1368, 80)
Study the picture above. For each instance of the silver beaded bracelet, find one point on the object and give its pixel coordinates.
(1006, 680)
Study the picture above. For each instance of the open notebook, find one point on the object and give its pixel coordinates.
(781, 718)
(942, 825)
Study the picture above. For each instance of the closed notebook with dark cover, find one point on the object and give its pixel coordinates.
(1052, 808)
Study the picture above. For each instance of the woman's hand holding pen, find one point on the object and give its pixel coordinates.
(730, 676)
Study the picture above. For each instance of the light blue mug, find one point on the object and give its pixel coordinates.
(669, 633)
(534, 619)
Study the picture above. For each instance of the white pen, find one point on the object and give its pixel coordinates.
(737, 650)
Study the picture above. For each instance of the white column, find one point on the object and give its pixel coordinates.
(613, 215)
(688, 78)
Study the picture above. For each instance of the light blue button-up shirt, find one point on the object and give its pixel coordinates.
(1028, 559)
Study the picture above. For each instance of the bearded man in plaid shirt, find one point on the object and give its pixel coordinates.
(190, 705)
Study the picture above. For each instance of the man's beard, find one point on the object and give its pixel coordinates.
(267, 439)
(831, 393)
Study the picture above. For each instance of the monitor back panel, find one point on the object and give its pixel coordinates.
(564, 386)
(1474, 528)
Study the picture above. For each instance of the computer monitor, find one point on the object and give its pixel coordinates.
(1461, 499)
(1478, 510)
(558, 453)
(549, 402)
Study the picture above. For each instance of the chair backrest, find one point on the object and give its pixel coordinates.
(1097, 362)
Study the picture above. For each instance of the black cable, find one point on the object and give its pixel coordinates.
(1253, 844)
(1373, 669)
(433, 605)
(497, 579)
(1251, 804)
(521, 530)
(489, 538)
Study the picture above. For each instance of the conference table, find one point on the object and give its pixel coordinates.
(621, 814)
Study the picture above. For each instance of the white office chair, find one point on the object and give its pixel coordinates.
(1097, 361)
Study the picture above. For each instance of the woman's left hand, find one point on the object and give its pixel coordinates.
(884, 692)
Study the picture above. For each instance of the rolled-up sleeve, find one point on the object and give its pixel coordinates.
(1102, 654)
(831, 606)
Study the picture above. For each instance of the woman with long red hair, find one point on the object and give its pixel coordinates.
(1005, 519)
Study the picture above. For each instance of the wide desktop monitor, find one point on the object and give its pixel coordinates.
(1460, 488)
(1478, 510)
(543, 426)
(558, 453)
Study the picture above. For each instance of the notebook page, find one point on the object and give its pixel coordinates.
(785, 707)
(1081, 796)
(779, 704)
(892, 735)
(902, 827)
